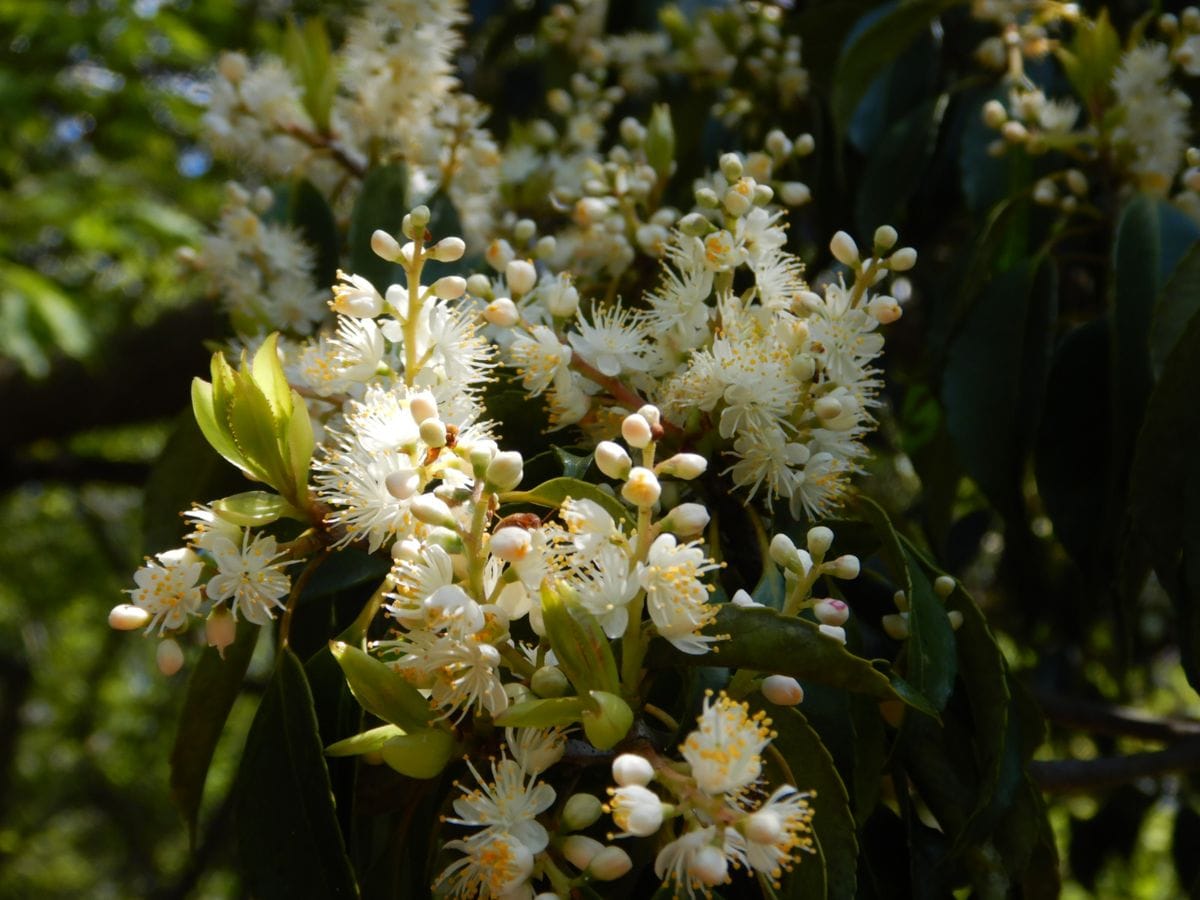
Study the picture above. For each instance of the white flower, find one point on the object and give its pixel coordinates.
(538, 358)
(772, 837)
(687, 862)
(590, 526)
(636, 809)
(507, 805)
(614, 341)
(676, 598)
(461, 671)
(606, 584)
(166, 589)
(536, 749)
(725, 751)
(250, 576)
(355, 296)
(496, 865)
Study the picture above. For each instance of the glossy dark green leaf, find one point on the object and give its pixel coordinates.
(1177, 305)
(995, 379)
(895, 167)
(286, 827)
(982, 176)
(866, 55)
(573, 465)
(212, 688)
(308, 211)
(932, 652)
(382, 204)
(348, 568)
(813, 769)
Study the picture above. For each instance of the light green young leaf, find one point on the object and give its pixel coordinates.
(381, 691)
(543, 713)
(253, 509)
(552, 493)
(370, 741)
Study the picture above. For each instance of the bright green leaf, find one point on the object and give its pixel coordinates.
(543, 713)
(370, 741)
(252, 509)
(381, 691)
(552, 493)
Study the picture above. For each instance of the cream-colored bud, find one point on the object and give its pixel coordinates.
(844, 567)
(831, 611)
(731, 167)
(709, 866)
(502, 312)
(169, 656)
(1014, 132)
(764, 827)
(777, 144)
(642, 489)
(433, 433)
(406, 550)
(707, 198)
(828, 407)
(818, 540)
(782, 690)
(127, 617)
(763, 194)
(423, 406)
(632, 131)
(885, 238)
(895, 625)
(1077, 182)
(449, 249)
(418, 218)
(884, 309)
(450, 287)
(220, 629)
(844, 250)
(562, 301)
(902, 260)
(683, 465)
(559, 101)
(506, 470)
(264, 199)
(636, 431)
(783, 552)
(994, 114)
(233, 67)
(1044, 192)
(432, 511)
(612, 460)
(1168, 24)
(479, 285)
(545, 246)
(510, 543)
(521, 276)
(385, 246)
(499, 254)
(695, 225)
(579, 850)
(836, 632)
(610, 864)
(736, 202)
(687, 519)
(524, 230)
(581, 811)
(804, 144)
(901, 600)
(630, 768)
(944, 586)
(652, 238)
(956, 619)
(651, 414)
(402, 484)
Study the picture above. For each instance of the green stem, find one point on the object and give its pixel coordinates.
(475, 554)
(412, 272)
(285, 621)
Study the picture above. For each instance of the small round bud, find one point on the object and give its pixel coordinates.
(581, 811)
(836, 632)
(895, 626)
(263, 199)
(819, 540)
(220, 629)
(499, 254)
(844, 250)
(804, 144)
(763, 194)
(642, 489)
(479, 285)
(233, 67)
(831, 612)
(956, 619)
(1077, 182)
(687, 519)
(630, 768)
(636, 810)
(736, 201)
(944, 586)
(610, 864)
(994, 114)
(763, 827)
(549, 681)
(884, 309)
(402, 484)
(731, 167)
(429, 509)
(1044, 192)
(450, 287)
(885, 238)
(545, 246)
(423, 406)
(127, 617)
(783, 552)
(707, 198)
(901, 601)
(506, 470)
(449, 249)
(521, 276)
(777, 144)
(169, 656)
(683, 465)
(524, 230)
(709, 866)
(433, 433)
(782, 690)
(418, 220)
(844, 567)
(580, 850)
(828, 407)
(510, 543)
(651, 414)
(612, 460)
(695, 225)
(502, 312)
(636, 431)
(1014, 132)
(384, 245)
(903, 259)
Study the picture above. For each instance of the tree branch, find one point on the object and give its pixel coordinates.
(1064, 776)
(1103, 718)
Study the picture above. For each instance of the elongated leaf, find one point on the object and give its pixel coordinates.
(252, 509)
(1177, 304)
(381, 691)
(267, 373)
(381, 205)
(213, 686)
(552, 493)
(214, 429)
(252, 424)
(580, 644)
(833, 826)
(308, 211)
(422, 754)
(765, 641)
(370, 741)
(932, 651)
(543, 713)
(285, 823)
(896, 166)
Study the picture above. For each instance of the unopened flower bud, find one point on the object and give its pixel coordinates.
(1044, 192)
(502, 312)
(777, 144)
(402, 484)
(994, 114)
(827, 407)
(416, 222)
(903, 259)
(683, 465)
(433, 433)
(885, 237)
(579, 850)
(220, 629)
(818, 540)
(545, 246)
(738, 201)
(687, 519)
(450, 287)
(636, 431)
(169, 656)
(510, 543)
(608, 721)
(709, 866)
(695, 225)
(901, 600)
(1077, 182)
(706, 198)
(432, 511)
(844, 567)
(831, 612)
(521, 276)
(630, 768)
(944, 586)
(549, 681)
(731, 167)
(844, 250)
(499, 254)
(581, 811)
(406, 550)
(610, 864)
(764, 827)
(505, 470)
(636, 810)
(804, 144)
(612, 460)
(884, 309)
(783, 552)
(895, 625)
(264, 199)
(782, 690)
(449, 249)
(956, 619)
(1014, 132)
(651, 414)
(763, 194)
(385, 246)
(642, 488)
(836, 632)
(524, 230)
(127, 617)
(233, 67)
(446, 538)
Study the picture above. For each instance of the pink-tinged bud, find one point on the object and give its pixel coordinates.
(521, 276)
(782, 690)
(169, 656)
(844, 250)
(642, 489)
(610, 864)
(833, 631)
(423, 406)
(127, 617)
(449, 249)
(630, 768)
(385, 246)
(831, 612)
(220, 629)
(612, 460)
(636, 431)
(502, 312)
